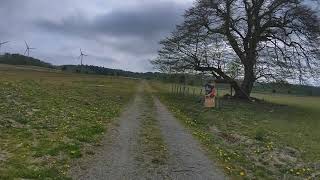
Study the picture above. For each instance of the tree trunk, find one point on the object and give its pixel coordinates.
(241, 92)
(247, 83)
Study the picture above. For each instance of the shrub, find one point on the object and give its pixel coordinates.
(260, 134)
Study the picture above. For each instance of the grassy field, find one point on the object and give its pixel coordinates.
(278, 138)
(47, 119)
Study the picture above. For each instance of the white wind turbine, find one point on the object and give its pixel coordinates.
(28, 48)
(2, 43)
(81, 56)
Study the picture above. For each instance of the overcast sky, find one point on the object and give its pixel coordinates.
(115, 34)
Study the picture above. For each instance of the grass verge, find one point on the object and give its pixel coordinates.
(253, 140)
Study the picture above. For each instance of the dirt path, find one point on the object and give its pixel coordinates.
(123, 155)
(188, 160)
(115, 160)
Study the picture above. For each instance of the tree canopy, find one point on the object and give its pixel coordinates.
(247, 40)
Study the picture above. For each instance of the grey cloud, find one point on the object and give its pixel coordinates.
(116, 34)
(136, 31)
(150, 21)
(146, 22)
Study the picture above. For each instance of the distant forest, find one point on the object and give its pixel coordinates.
(17, 59)
(194, 80)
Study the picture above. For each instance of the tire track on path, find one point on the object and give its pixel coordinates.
(188, 161)
(115, 159)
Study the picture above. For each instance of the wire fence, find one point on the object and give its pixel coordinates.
(186, 90)
(196, 91)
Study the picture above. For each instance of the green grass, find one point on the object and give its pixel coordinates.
(47, 118)
(255, 140)
(154, 150)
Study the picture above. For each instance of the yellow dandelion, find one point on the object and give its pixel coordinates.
(242, 173)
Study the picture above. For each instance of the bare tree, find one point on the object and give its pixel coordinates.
(263, 39)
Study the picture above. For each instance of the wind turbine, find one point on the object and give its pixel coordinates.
(2, 43)
(28, 48)
(81, 56)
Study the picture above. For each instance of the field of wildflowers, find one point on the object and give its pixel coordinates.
(47, 119)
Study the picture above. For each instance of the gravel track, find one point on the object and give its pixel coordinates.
(116, 159)
(188, 160)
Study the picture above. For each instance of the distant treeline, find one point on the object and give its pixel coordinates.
(89, 69)
(188, 79)
(169, 78)
(286, 88)
(17, 59)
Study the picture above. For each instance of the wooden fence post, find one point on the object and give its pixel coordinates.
(231, 90)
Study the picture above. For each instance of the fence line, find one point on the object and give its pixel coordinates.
(184, 90)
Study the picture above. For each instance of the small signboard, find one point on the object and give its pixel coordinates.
(210, 95)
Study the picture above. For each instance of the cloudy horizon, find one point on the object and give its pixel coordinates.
(113, 34)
